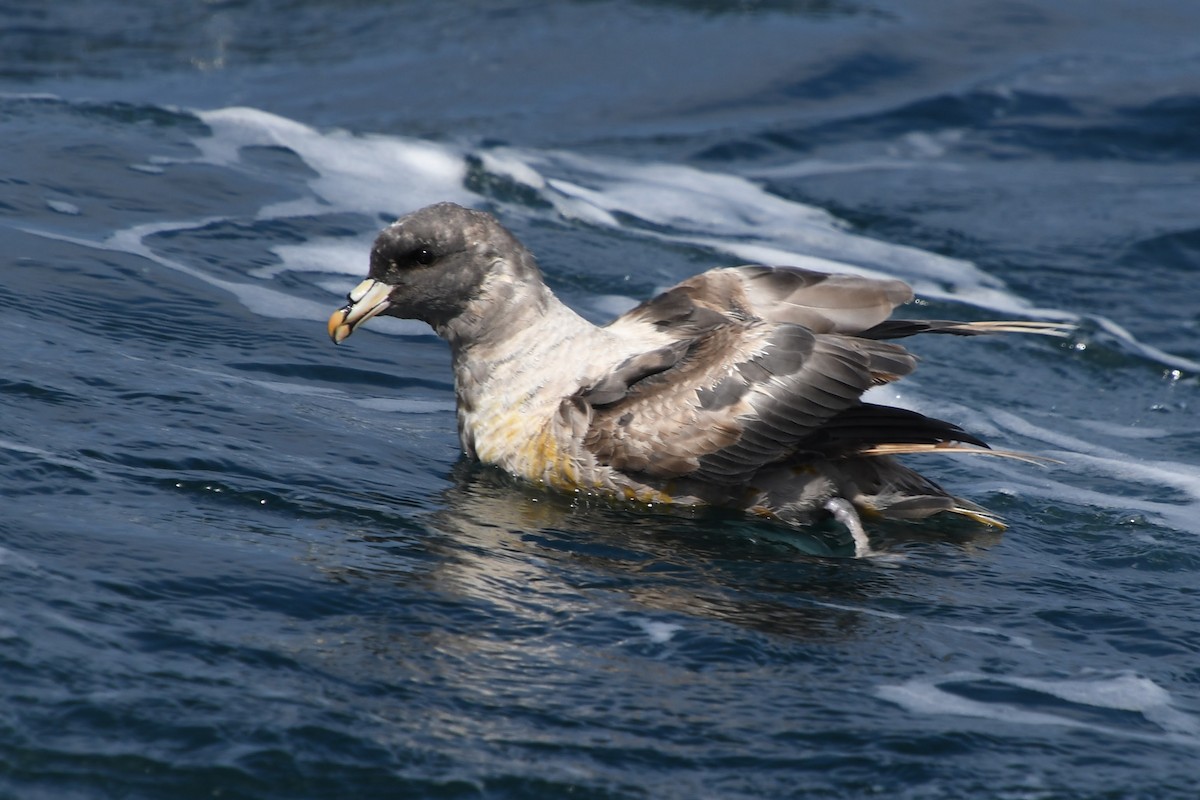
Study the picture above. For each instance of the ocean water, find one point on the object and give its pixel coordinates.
(238, 562)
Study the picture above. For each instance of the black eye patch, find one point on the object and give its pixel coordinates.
(417, 257)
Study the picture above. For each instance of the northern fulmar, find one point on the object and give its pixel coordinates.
(740, 387)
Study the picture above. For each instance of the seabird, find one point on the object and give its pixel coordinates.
(740, 387)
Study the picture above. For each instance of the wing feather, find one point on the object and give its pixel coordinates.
(765, 367)
(821, 302)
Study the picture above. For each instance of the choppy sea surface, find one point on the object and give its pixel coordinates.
(237, 562)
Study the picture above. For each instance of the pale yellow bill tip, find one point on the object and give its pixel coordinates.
(339, 329)
(370, 298)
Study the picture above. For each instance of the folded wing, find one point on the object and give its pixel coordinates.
(765, 366)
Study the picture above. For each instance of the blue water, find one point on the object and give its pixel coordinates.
(238, 562)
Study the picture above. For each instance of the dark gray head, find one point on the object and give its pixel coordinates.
(437, 265)
(438, 258)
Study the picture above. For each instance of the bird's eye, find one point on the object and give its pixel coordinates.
(423, 257)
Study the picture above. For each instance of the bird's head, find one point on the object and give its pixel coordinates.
(445, 264)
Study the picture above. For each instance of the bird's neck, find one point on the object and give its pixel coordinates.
(513, 364)
(501, 311)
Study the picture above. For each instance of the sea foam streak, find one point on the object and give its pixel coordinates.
(391, 175)
(680, 204)
(1087, 703)
(731, 214)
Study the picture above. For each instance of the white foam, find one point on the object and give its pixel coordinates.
(1113, 429)
(870, 612)
(1023, 642)
(1016, 640)
(14, 560)
(811, 167)
(506, 163)
(611, 305)
(49, 457)
(260, 299)
(1117, 692)
(376, 174)
(1145, 350)
(1078, 460)
(369, 174)
(404, 405)
(63, 207)
(1113, 463)
(659, 632)
(733, 214)
(342, 256)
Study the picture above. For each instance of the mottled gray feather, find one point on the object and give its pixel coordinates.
(765, 358)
